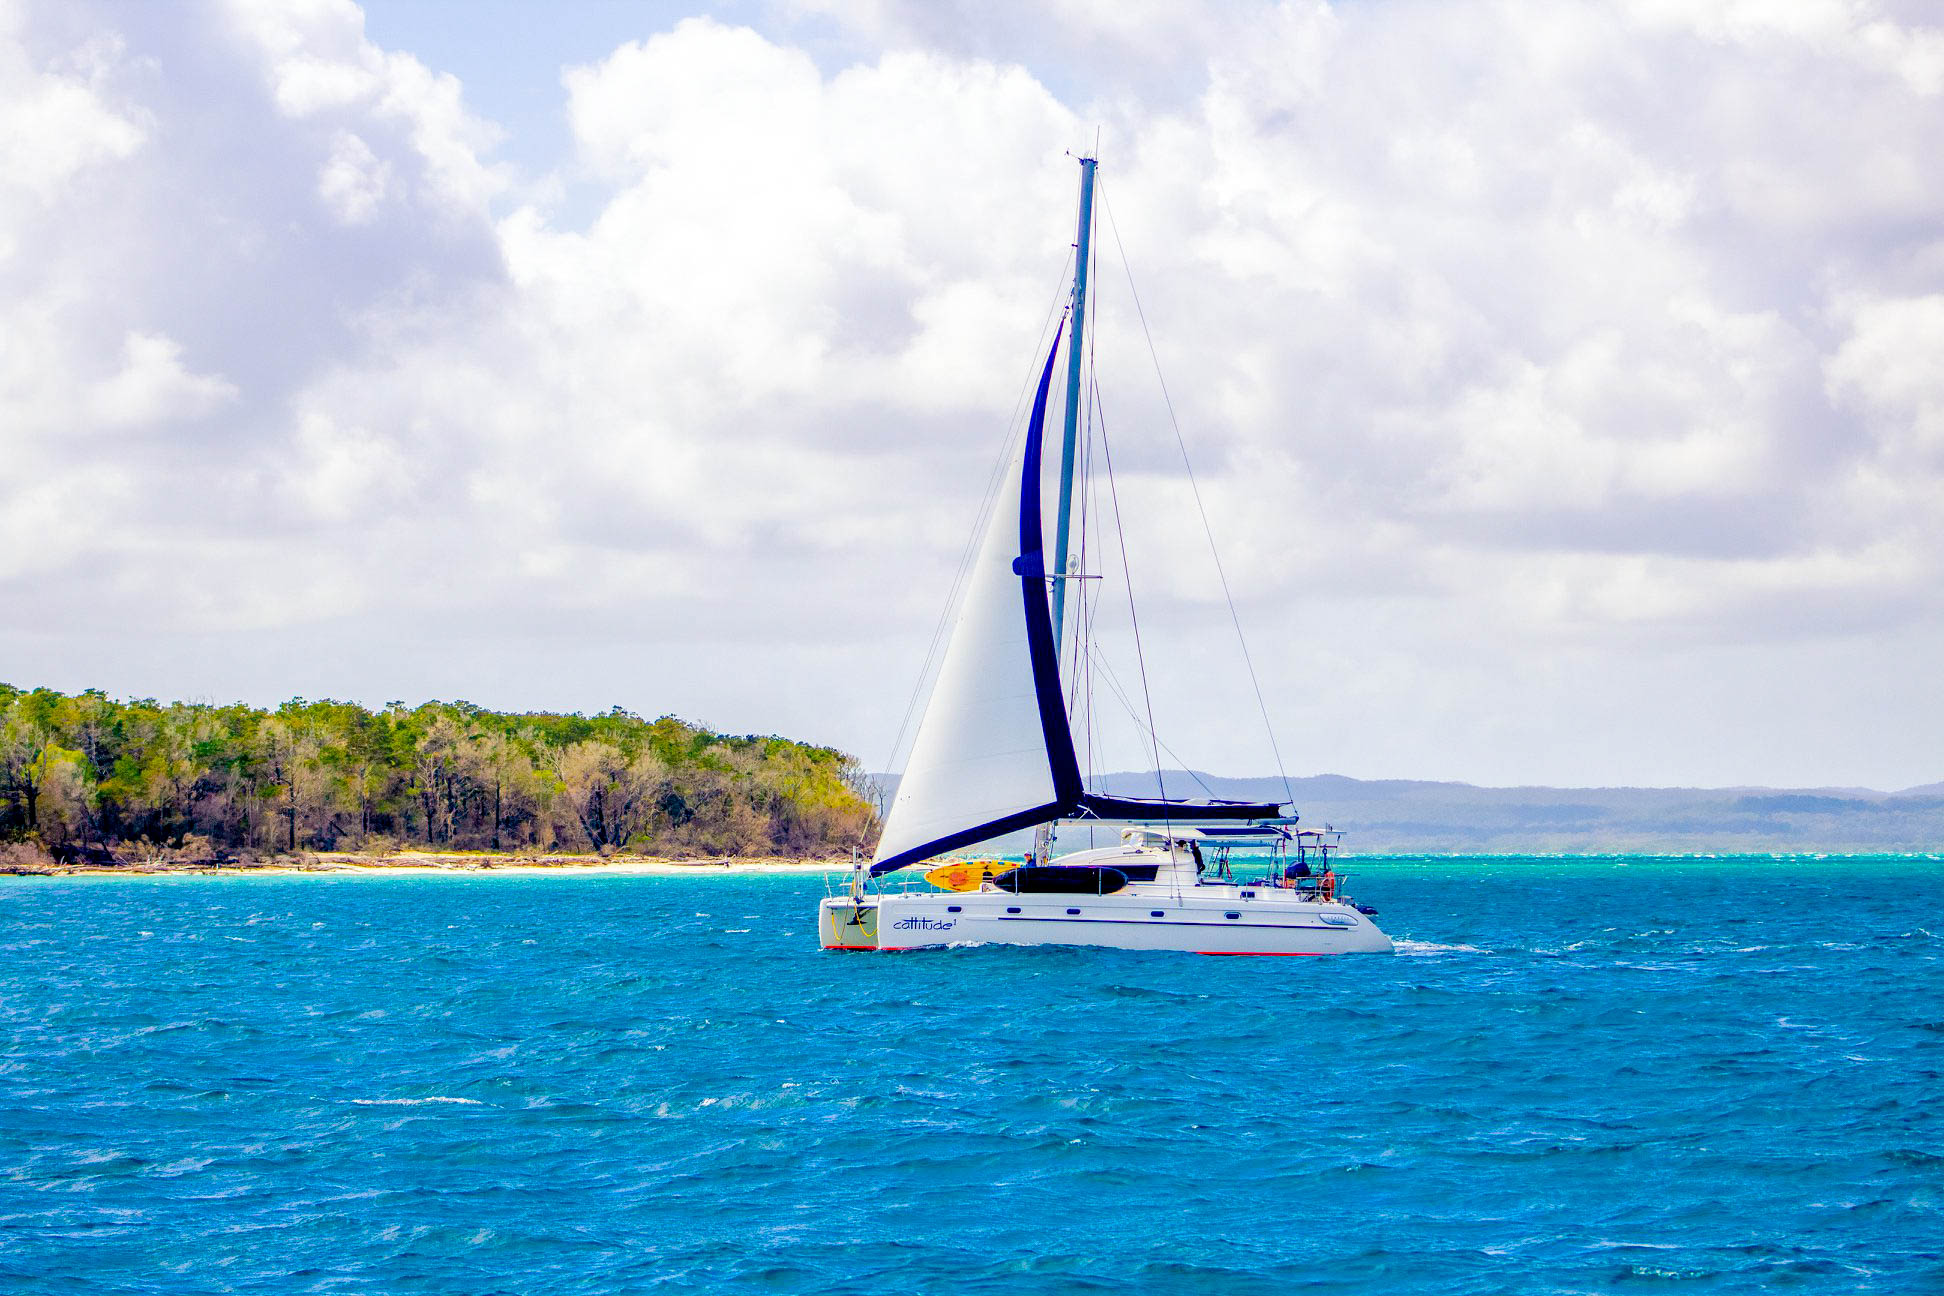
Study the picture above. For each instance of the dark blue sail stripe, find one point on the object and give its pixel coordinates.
(1031, 566)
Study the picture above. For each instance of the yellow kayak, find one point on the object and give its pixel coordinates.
(965, 875)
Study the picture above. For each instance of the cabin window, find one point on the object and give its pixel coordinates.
(1248, 895)
(953, 908)
(1073, 911)
(1156, 913)
(1012, 908)
(1232, 915)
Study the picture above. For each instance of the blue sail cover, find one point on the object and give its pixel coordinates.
(1070, 799)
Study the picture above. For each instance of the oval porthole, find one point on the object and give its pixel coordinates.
(1156, 913)
(954, 908)
(1232, 915)
(1073, 911)
(1012, 908)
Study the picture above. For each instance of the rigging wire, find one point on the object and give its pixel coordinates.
(1195, 487)
(1140, 654)
(1119, 691)
(1098, 660)
(1080, 689)
(986, 504)
(1085, 605)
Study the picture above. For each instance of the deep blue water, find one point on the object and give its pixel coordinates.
(1703, 1075)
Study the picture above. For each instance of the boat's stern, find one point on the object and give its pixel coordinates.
(847, 924)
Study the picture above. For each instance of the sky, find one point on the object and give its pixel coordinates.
(1564, 382)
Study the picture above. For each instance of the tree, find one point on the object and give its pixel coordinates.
(289, 768)
(24, 746)
(69, 800)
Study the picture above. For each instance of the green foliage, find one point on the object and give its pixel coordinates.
(85, 771)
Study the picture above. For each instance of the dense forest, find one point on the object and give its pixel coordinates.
(88, 775)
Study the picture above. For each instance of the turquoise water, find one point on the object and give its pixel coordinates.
(1706, 1075)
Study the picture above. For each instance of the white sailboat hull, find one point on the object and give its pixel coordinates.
(1201, 920)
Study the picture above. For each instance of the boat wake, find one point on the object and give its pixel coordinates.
(1432, 947)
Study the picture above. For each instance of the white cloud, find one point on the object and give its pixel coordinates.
(152, 388)
(1513, 344)
(353, 181)
(56, 122)
(54, 126)
(1891, 366)
(319, 65)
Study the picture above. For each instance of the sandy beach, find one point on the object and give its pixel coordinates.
(428, 863)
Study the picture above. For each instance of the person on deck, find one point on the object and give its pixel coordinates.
(1329, 882)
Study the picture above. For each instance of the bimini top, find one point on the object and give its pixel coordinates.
(1266, 831)
(1219, 833)
(994, 752)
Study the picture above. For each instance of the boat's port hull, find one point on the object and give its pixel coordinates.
(842, 924)
(1250, 921)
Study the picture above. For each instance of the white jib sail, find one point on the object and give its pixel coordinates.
(980, 754)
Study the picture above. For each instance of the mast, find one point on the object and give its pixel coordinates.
(1076, 347)
(1069, 440)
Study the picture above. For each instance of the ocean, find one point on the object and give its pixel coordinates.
(1577, 1075)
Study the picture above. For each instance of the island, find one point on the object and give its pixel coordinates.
(91, 782)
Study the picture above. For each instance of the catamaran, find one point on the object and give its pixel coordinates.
(994, 754)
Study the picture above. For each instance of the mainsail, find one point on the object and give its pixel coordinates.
(994, 751)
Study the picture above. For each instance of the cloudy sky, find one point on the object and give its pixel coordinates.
(1565, 381)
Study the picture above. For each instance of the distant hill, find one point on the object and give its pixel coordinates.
(1406, 815)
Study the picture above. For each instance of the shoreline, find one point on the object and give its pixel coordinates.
(468, 863)
(444, 863)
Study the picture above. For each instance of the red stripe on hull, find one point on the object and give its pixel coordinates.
(908, 949)
(1264, 953)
